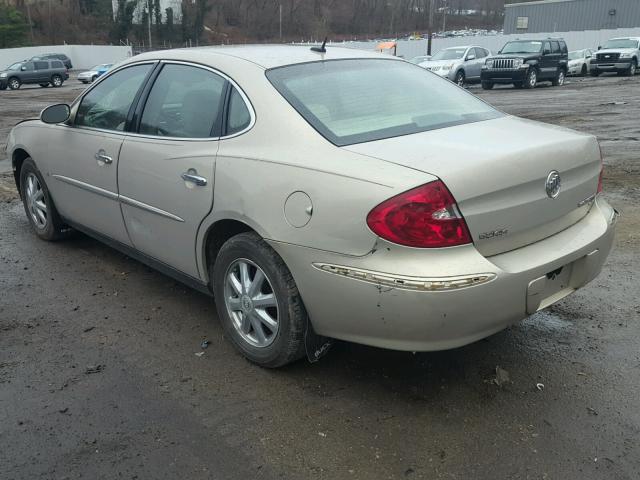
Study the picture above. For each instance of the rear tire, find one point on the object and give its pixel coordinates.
(279, 340)
(487, 85)
(14, 83)
(38, 204)
(558, 81)
(583, 72)
(56, 81)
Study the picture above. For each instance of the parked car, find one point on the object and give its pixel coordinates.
(43, 72)
(55, 56)
(524, 63)
(334, 211)
(580, 62)
(459, 64)
(93, 73)
(620, 55)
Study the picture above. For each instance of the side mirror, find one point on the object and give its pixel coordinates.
(471, 57)
(599, 47)
(23, 69)
(55, 113)
(499, 51)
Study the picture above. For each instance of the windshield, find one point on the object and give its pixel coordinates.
(15, 66)
(449, 54)
(576, 55)
(621, 43)
(355, 101)
(522, 47)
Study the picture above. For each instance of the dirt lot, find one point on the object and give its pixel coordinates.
(99, 377)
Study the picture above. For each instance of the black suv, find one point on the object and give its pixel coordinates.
(42, 72)
(55, 56)
(526, 62)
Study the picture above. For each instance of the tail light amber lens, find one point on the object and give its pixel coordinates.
(425, 217)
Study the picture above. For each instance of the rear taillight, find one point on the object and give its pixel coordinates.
(599, 190)
(425, 217)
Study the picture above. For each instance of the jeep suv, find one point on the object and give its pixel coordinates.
(55, 56)
(42, 72)
(524, 63)
(620, 55)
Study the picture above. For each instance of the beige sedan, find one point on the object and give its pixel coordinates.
(321, 194)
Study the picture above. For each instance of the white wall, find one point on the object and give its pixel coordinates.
(82, 56)
(575, 41)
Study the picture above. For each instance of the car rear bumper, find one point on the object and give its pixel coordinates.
(503, 76)
(3, 83)
(435, 313)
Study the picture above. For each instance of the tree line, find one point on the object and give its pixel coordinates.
(35, 22)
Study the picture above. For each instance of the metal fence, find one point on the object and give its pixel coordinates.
(575, 41)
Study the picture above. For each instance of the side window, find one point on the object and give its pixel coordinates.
(546, 47)
(563, 47)
(555, 47)
(184, 102)
(41, 65)
(57, 64)
(480, 53)
(27, 67)
(239, 117)
(107, 105)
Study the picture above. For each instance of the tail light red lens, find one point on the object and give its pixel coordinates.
(425, 217)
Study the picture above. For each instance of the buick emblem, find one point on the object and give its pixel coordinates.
(553, 184)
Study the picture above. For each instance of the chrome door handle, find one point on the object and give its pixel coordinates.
(192, 176)
(102, 156)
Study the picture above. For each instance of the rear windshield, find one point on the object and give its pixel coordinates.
(355, 101)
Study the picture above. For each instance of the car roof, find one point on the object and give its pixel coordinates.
(265, 56)
(625, 38)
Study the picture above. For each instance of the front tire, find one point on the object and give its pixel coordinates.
(633, 68)
(94, 78)
(460, 78)
(258, 302)
(56, 81)
(532, 78)
(487, 85)
(583, 72)
(38, 204)
(14, 83)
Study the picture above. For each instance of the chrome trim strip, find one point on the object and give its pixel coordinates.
(421, 284)
(143, 206)
(89, 188)
(589, 199)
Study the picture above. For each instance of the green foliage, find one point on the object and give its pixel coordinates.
(13, 27)
(123, 21)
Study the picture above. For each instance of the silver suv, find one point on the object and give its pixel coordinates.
(620, 55)
(459, 64)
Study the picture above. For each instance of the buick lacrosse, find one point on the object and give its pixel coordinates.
(321, 194)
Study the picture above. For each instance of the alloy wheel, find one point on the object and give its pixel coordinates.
(460, 79)
(251, 303)
(632, 69)
(57, 81)
(561, 78)
(14, 84)
(36, 202)
(532, 79)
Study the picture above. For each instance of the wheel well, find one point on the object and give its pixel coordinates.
(217, 235)
(19, 156)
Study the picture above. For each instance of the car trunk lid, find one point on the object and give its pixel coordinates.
(497, 170)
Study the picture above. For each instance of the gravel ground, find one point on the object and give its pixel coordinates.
(99, 377)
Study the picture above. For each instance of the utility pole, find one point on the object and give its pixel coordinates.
(444, 16)
(432, 11)
(149, 21)
(281, 22)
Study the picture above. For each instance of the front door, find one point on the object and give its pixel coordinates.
(28, 74)
(166, 170)
(86, 153)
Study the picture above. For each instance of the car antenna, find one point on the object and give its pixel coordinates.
(320, 49)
